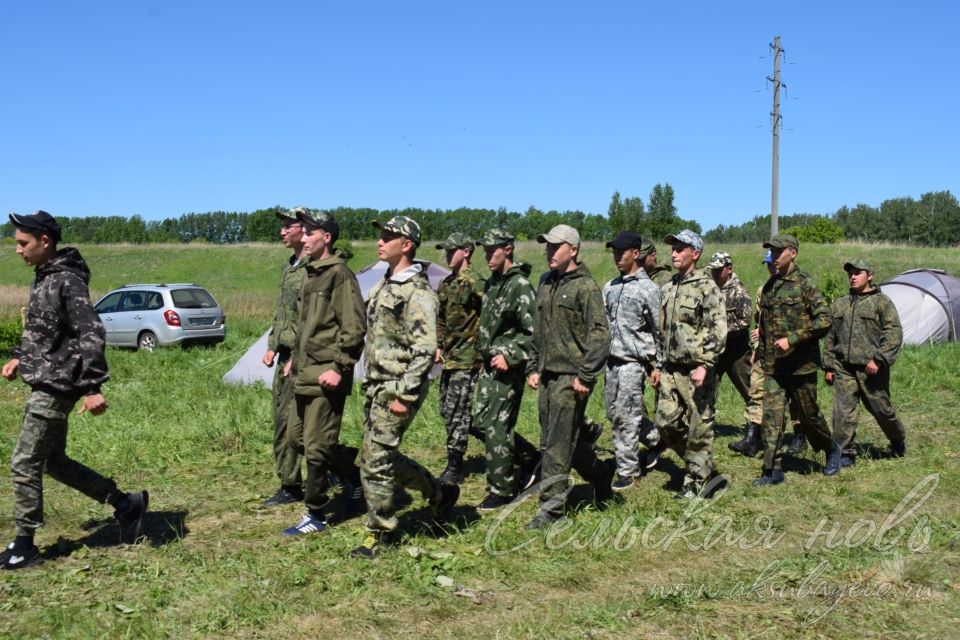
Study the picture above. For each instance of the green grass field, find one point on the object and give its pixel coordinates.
(871, 553)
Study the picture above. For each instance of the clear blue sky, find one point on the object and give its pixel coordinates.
(160, 108)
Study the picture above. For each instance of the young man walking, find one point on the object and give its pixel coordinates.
(61, 358)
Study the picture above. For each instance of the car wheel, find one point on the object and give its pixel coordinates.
(147, 341)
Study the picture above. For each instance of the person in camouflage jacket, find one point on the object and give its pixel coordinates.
(659, 273)
(794, 315)
(858, 352)
(693, 329)
(460, 296)
(61, 358)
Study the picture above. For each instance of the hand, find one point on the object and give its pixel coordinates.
(95, 404)
(397, 408)
(655, 378)
(828, 377)
(438, 356)
(533, 381)
(330, 379)
(698, 375)
(10, 369)
(782, 344)
(755, 334)
(499, 363)
(872, 367)
(579, 388)
(287, 367)
(268, 358)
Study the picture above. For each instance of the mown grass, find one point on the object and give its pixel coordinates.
(215, 564)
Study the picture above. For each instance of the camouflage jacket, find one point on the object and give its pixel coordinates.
(792, 307)
(738, 304)
(507, 316)
(283, 333)
(661, 275)
(332, 326)
(571, 333)
(693, 321)
(461, 297)
(63, 339)
(633, 317)
(401, 333)
(865, 327)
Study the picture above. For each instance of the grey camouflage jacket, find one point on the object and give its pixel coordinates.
(693, 321)
(633, 317)
(738, 304)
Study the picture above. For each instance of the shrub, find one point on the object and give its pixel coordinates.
(10, 332)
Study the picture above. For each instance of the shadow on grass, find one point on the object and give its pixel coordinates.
(727, 430)
(160, 528)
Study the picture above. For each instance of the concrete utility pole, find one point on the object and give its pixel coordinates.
(775, 188)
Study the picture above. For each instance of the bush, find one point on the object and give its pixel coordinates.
(10, 333)
(819, 231)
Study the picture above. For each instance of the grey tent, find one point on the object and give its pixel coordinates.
(250, 369)
(928, 302)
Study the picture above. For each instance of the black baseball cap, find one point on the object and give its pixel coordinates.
(626, 240)
(39, 221)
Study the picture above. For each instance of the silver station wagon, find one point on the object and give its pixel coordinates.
(146, 316)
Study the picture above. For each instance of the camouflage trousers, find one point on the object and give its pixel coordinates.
(735, 362)
(286, 457)
(456, 399)
(623, 397)
(382, 466)
(313, 432)
(42, 448)
(564, 448)
(851, 385)
(753, 412)
(680, 410)
(497, 406)
(800, 391)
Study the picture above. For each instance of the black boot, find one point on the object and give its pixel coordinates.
(751, 443)
(454, 473)
(798, 445)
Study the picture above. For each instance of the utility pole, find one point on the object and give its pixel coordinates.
(775, 115)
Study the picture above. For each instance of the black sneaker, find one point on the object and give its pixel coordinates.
(372, 546)
(653, 454)
(493, 502)
(284, 495)
(689, 491)
(131, 517)
(11, 559)
(622, 483)
(443, 510)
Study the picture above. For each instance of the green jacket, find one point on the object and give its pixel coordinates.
(865, 327)
(792, 307)
(661, 275)
(401, 333)
(571, 334)
(506, 318)
(461, 298)
(332, 326)
(283, 333)
(693, 321)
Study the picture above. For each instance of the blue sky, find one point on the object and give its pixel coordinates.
(162, 108)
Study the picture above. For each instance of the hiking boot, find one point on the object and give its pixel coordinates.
(12, 558)
(622, 483)
(798, 445)
(129, 513)
(603, 483)
(653, 454)
(309, 523)
(493, 502)
(543, 520)
(898, 449)
(443, 510)
(751, 443)
(284, 495)
(769, 476)
(834, 463)
(372, 546)
(454, 473)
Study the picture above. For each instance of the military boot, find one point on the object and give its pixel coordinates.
(832, 467)
(454, 473)
(751, 443)
(798, 445)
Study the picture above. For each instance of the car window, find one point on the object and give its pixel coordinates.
(192, 299)
(134, 301)
(109, 304)
(154, 301)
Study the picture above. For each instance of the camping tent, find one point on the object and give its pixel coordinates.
(250, 368)
(928, 301)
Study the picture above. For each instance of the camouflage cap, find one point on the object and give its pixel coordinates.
(403, 225)
(860, 264)
(38, 221)
(496, 237)
(720, 260)
(288, 214)
(687, 237)
(316, 219)
(560, 233)
(646, 247)
(456, 240)
(782, 241)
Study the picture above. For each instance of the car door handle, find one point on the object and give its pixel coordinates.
(138, 317)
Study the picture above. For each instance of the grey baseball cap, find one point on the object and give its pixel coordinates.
(687, 237)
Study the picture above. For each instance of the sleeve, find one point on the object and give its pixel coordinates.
(420, 321)
(352, 320)
(661, 332)
(829, 341)
(530, 324)
(82, 319)
(273, 339)
(651, 312)
(891, 333)
(714, 325)
(743, 310)
(598, 336)
(517, 346)
(820, 319)
(442, 292)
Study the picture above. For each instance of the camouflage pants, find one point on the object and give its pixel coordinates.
(851, 385)
(382, 466)
(623, 397)
(497, 406)
(561, 414)
(753, 412)
(42, 448)
(314, 433)
(802, 390)
(456, 399)
(286, 457)
(680, 411)
(735, 362)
